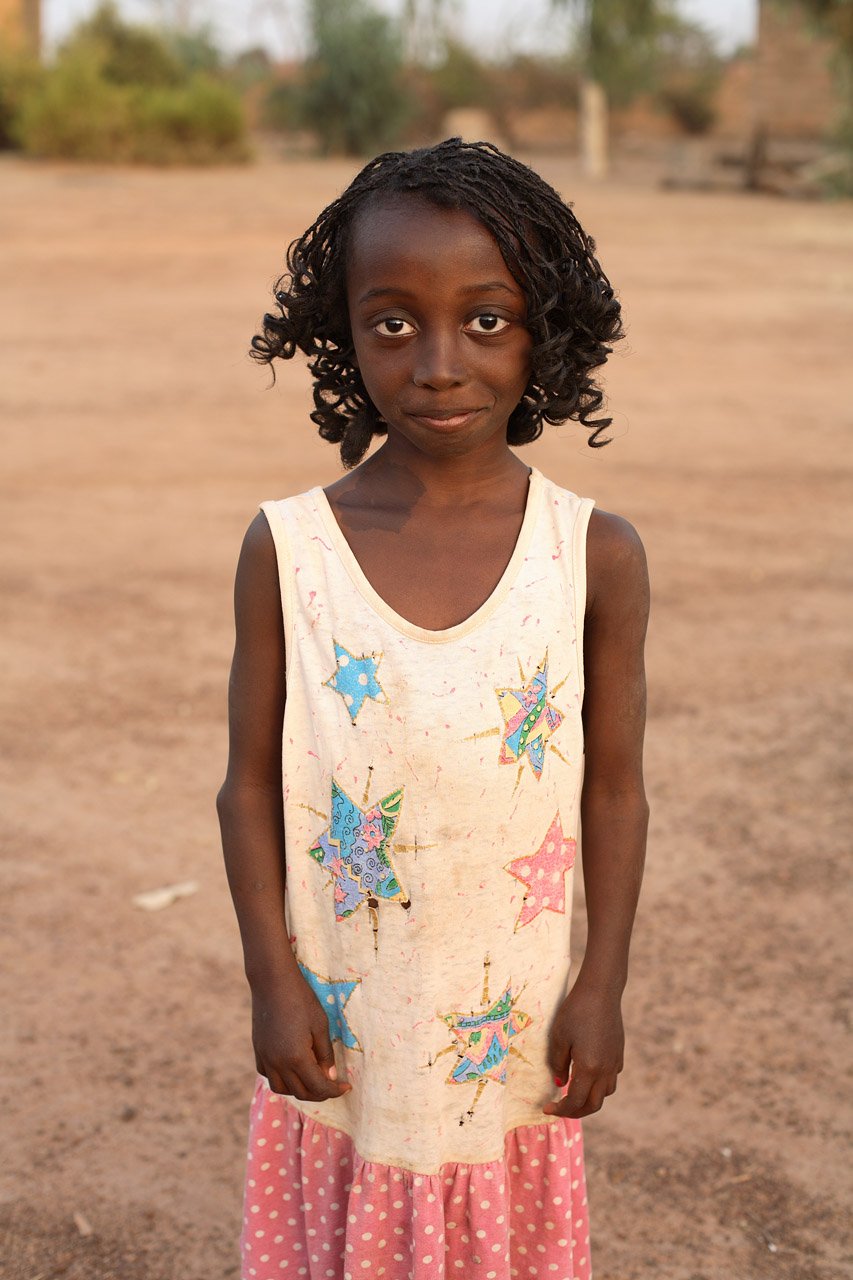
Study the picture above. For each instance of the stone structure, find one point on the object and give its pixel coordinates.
(795, 93)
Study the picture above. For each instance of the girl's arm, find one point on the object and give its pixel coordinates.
(290, 1027)
(587, 1030)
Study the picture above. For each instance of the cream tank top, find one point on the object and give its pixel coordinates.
(431, 785)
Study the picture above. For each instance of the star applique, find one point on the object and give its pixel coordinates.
(544, 875)
(482, 1040)
(355, 679)
(333, 996)
(529, 720)
(354, 849)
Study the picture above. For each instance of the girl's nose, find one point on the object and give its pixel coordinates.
(438, 363)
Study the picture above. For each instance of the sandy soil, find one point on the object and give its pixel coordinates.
(138, 441)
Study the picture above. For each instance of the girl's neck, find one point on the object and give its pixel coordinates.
(444, 481)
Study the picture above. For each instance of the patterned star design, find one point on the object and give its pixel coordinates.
(544, 875)
(483, 1040)
(529, 720)
(355, 679)
(354, 849)
(333, 996)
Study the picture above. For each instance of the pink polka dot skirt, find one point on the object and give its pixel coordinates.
(315, 1209)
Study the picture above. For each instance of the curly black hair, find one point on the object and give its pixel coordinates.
(573, 314)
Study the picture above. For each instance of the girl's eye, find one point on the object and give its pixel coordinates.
(488, 323)
(394, 327)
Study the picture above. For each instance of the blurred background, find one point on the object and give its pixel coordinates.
(712, 94)
(157, 159)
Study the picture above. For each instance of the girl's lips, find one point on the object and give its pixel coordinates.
(444, 419)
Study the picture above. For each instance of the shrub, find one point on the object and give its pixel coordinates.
(19, 78)
(76, 114)
(199, 123)
(690, 105)
(117, 93)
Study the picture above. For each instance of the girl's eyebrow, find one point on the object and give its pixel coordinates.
(486, 287)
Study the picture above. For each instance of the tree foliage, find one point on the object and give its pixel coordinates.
(836, 18)
(617, 42)
(352, 96)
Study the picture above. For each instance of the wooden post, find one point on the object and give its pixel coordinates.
(593, 128)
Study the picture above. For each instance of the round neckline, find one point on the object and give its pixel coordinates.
(380, 606)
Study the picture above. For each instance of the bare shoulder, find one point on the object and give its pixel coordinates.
(256, 589)
(257, 563)
(617, 570)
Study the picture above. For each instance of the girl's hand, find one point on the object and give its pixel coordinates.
(293, 1049)
(586, 1035)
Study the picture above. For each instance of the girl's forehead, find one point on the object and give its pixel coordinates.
(412, 226)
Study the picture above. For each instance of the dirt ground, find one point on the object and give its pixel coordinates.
(138, 440)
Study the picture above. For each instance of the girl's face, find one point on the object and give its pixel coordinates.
(438, 324)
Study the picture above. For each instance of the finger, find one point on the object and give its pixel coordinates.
(572, 1104)
(315, 1083)
(595, 1098)
(274, 1080)
(592, 1103)
(323, 1051)
(559, 1060)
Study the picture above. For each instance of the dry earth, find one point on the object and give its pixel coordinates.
(138, 440)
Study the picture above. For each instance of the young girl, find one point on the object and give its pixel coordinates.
(441, 656)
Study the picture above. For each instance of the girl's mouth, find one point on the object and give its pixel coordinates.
(446, 418)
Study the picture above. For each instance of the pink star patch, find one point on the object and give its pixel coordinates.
(544, 875)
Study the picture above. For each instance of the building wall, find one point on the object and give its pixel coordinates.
(794, 93)
(20, 24)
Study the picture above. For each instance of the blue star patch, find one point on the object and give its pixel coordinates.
(355, 679)
(333, 996)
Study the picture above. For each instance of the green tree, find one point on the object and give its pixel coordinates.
(616, 43)
(352, 96)
(128, 54)
(687, 73)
